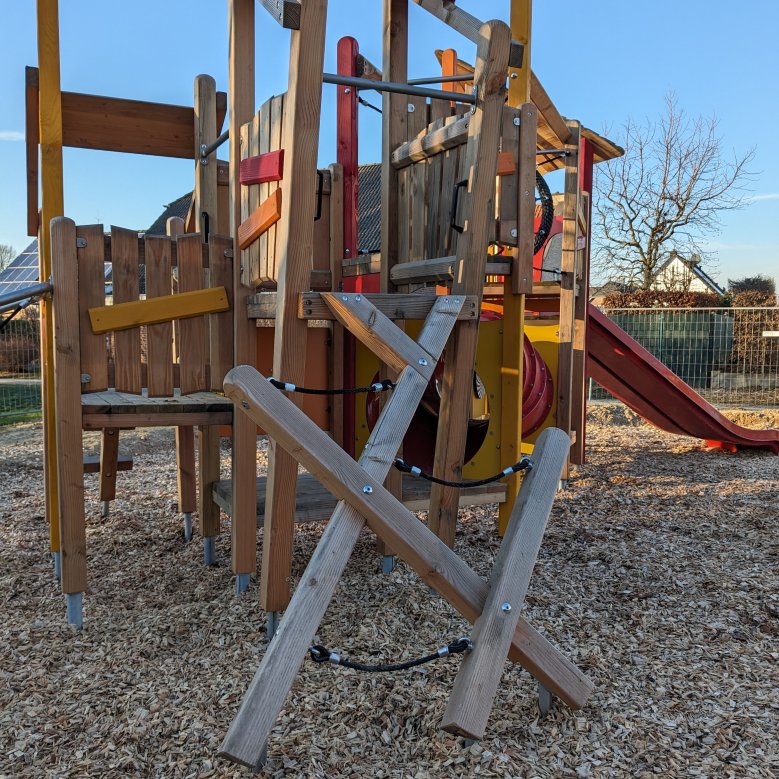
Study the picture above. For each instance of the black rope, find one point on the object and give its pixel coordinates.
(525, 463)
(379, 386)
(321, 654)
(547, 213)
(369, 105)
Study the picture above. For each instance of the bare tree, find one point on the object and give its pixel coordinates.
(7, 255)
(666, 193)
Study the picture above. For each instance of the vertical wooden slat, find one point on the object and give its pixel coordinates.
(259, 143)
(52, 205)
(126, 287)
(91, 293)
(205, 196)
(275, 133)
(294, 245)
(70, 468)
(393, 122)
(435, 230)
(244, 469)
(417, 191)
(568, 283)
(109, 462)
(337, 229)
(470, 263)
(192, 332)
(159, 338)
(220, 262)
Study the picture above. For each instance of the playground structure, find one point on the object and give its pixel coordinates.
(458, 214)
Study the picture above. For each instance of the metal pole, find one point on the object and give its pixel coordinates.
(33, 291)
(213, 146)
(441, 79)
(403, 89)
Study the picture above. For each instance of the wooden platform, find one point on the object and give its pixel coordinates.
(315, 503)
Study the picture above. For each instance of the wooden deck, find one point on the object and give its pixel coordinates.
(315, 503)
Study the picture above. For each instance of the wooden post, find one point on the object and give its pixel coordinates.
(565, 350)
(521, 280)
(244, 460)
(579, 382)
(469, 270)
(52, 205)
(337, 223)
(205, 195)
(295, 238)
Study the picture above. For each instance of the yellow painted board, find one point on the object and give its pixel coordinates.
(123, 316)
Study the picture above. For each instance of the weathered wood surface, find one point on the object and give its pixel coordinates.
(479, 674)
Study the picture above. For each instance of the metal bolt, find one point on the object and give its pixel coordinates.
(505, 607)
(516, 121)
(514, 75)
(410, 107)
(527, 194)
(422, 361)
(358, 298)
(244, 404)
(347, 252)
(347, 91)
(367, 489)
(85, 378)
(513, 232)
(344, 298)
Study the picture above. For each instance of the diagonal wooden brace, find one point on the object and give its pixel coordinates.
(436, 563)
(480, 671)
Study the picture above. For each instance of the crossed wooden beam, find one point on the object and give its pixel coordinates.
(494, 607)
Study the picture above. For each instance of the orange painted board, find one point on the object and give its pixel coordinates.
(266, 215)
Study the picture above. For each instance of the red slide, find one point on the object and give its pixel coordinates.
(629, 372)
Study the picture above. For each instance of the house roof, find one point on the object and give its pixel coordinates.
(178, 207)
(694, 268)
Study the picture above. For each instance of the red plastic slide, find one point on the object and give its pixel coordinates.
(629, 372)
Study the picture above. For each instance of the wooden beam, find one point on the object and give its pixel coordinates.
(392, 305)
(479, 674)
(244, 463)
(362, 494)
(467, 25)
(205, 201)
(294, 247)
(441, 269)
(440, 139)
(31, 136)
(470, 265)
(152, 311)
(92, 463)
(263, 168)
(266, 215)
(548, 110)
(285, 12)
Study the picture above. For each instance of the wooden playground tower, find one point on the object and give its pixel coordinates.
(457, 178)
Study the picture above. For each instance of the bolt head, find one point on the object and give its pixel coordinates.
(358, 298)
(367, 489)
(411, 108)
(515, 120)
(347, 91)
(513, 232)
(422, 361)
(344, 298)
(505, 607)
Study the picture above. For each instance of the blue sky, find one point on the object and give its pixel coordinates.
(600, 62)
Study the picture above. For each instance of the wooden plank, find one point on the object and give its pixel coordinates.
(302, 110)
(123, 316)
(263, 168)
(193, 332)
(470, 265)
(241, 90)
(522, 277)
(221, 324)
(126, 288)
(441, 269)
(259, 142)
(438, 565)
(267, 214)
(52, 205)
(91, 292)
(72, 541)
(337, 231)
(393, 305)
(417, 183)
(92, 463)
(204, 200)
(467, 25)
(275, 141)
(285, 12)
(387, 341)
(547, 109)
(564, 384)
(449, 178)
(249, 731)
(159, 337)
(479, 674)
(393, 123)
(439, 139)
(435, 230)
(508, 183)
(32, 138)
(109, 464)
(208, 475)
(185, 422)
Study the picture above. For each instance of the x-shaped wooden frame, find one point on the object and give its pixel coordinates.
(358, 485)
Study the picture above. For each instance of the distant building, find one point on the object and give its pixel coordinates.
(686, 275)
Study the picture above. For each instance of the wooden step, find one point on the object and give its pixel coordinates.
(92, 463)
(315, 503)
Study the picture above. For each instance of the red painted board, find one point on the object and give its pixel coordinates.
(629, 372)
(263, 168)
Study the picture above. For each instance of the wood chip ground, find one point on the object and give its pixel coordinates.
(659, 576)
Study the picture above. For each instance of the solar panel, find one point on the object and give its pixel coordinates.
(22, 271)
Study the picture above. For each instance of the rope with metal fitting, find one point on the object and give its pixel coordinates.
(524, 464)
(379, 386)
(321, 654)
